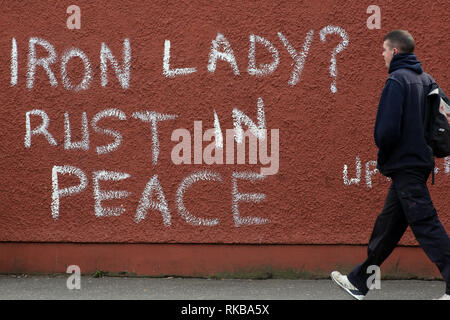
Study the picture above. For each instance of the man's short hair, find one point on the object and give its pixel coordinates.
(402, 40)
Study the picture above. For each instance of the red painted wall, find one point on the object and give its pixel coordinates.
(306, 202)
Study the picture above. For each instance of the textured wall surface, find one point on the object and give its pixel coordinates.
(310, 200)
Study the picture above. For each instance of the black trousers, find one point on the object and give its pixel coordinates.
(408, 203)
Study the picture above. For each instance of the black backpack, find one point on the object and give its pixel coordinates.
(437, 121)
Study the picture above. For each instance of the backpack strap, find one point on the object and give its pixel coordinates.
(430, 78)
(432, 87)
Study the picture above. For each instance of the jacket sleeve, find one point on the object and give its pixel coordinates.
(389, 116)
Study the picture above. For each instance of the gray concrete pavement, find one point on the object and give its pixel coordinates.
(54, 287)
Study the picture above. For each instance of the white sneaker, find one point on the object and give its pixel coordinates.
(444, 297)
(343, 282)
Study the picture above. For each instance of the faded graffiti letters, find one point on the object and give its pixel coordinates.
(370, 171)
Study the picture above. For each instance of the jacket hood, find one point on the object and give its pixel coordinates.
(405, 60)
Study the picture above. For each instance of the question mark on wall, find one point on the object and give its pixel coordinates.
(341, 46)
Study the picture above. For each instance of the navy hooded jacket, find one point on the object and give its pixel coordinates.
(399, 128)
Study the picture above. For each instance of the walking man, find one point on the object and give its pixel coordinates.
(405, 157)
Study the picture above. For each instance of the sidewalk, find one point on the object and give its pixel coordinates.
(54, 287)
